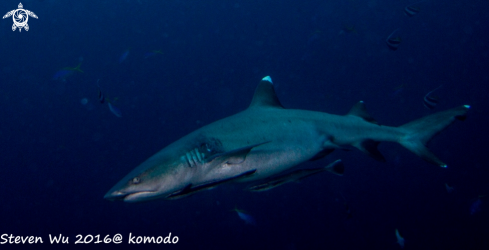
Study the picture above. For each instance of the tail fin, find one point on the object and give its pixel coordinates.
(420, 132)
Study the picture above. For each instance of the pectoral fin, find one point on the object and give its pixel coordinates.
(335, 167)
(236, 156)
(267, 185)
(191, 189)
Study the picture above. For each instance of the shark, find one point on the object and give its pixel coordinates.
(266, 140)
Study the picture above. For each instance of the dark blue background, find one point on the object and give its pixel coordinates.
(59, 157)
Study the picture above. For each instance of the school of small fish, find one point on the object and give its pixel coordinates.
(63, 74)
(411, 10)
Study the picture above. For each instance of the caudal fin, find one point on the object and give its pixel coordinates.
(419, 132)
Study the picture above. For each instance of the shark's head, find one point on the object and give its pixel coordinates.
(159, 176)
(169, 171)
(154, 178)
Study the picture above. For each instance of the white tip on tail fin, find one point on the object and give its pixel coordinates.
(419, 132)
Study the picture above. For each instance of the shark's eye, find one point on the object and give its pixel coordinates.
(136, 180)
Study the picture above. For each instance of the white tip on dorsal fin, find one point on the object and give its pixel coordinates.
(265, 95)
(267, 78)
(360, 111)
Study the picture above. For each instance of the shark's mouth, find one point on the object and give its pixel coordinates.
(130, 197)
(139, 196)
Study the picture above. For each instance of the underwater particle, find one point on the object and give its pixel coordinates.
(84, 101)
(475, 207)
(152, 53)
(449, 188)
(124, 55)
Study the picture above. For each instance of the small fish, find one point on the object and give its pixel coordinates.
(476, 205)
(152, 53)
(64, 73)
(393, 42)
(248, 219)
(400, 239)
(412, 9)
(123, 56)
(101, 97)
(449, 189)
(117, 112)
(397, 90)
(349, 28)
(430, 101)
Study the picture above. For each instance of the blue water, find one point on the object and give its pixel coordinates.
(59, 156)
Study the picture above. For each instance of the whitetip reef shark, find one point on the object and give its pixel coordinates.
(266, 140)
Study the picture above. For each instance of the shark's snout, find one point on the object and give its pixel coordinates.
(114, 195)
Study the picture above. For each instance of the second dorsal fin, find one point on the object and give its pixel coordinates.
(360, 111)
(265, 95)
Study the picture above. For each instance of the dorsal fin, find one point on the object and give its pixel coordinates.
(360, 111)
(265, 95)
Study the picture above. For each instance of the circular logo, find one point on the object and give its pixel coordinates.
(20, 17)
